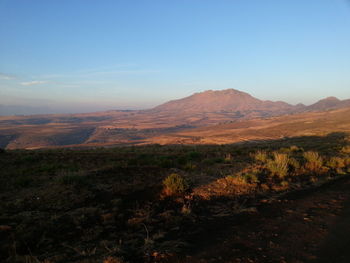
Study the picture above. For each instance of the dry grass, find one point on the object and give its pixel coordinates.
(175, 184)
(278, 166)
(260, 156)
(314, 161)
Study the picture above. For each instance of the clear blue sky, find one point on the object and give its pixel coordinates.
(81, 55)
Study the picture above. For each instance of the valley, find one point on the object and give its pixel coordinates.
(211, 117)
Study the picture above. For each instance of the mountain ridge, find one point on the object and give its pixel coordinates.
(201, 109)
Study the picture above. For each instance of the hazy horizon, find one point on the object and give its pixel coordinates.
(84, 56)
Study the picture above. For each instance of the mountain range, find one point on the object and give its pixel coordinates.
(232, 100)
(204, 109)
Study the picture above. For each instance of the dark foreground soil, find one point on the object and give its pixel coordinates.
(113, 205)
(306, 226)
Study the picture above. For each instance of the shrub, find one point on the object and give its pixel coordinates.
(346, 149)
(175, 184)
(251, 178)
(284, 184)
(261, 156)
(336, 162)
(228, 157)
(2, 150)
(237, 179)
(313, 161)
(278, 165)
(347, 161)
(295, 148)
(294, 164)
(189, 166)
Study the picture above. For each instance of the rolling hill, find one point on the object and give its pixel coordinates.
(166, 123)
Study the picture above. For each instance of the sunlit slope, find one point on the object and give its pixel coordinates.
(305, 124)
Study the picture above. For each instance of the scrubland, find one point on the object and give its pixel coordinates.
(158, 203)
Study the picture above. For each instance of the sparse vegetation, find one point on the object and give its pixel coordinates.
(278, 165)
(314, 161)
(346, 149)
(99, 202)
(175, 184)
(261, 156)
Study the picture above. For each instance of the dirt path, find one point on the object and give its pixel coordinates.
(309, 226)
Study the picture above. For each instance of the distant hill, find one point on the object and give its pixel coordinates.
(229, 100)
(329, 103)
(200, 110)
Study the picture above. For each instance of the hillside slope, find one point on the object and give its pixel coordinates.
(158, 125)
(303, 124)
(229, 100)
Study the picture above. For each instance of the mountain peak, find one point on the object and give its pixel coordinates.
(228, 100)
(328, 103)
(330, 99)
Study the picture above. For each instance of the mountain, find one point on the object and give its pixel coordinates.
(329, 103)
(110, 128)
(229, 100)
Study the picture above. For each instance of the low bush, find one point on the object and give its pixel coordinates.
(336, 162)
(189, 166)
(251, 178)
(314, 161)
(175, 184)
(278, 166)
(294, 164)
(345, 150)
(295, 148)
(260, 156)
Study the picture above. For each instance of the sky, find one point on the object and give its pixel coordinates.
(87, 55)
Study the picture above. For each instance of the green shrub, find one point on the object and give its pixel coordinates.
(278, 165)
(314, 161)
(175, 184)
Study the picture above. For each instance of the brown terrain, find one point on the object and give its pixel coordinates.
(239, 203)
(216, 177)
(228, 116)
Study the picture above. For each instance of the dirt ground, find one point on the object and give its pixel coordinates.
(307, 226)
